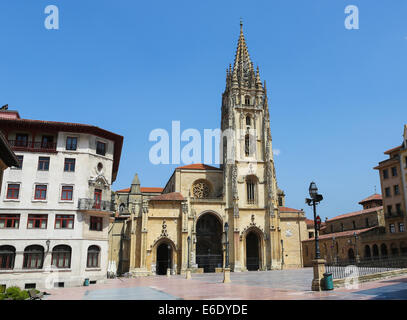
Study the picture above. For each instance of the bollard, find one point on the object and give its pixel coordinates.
(188, 275)
(226, 275)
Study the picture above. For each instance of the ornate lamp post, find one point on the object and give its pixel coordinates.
(169, 261)
(319, 264)
(188, 275)
(226, 270)
(356, 247)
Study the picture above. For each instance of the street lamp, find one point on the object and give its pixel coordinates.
(169, 259)
(189, 251)
(315, 199)
(227, 244)
(226, 269)
(333, 250)
(356, 247)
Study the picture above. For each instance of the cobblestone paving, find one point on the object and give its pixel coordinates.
(267, 285)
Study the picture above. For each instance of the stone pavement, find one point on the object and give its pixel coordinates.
(260, 285)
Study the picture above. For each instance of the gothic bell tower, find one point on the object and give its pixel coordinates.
(250, 185)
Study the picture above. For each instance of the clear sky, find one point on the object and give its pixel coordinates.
(337, 96)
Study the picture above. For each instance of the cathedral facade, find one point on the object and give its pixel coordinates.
(183, 224)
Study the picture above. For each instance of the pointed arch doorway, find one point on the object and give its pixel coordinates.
(209, 251)
(252, 251)
(164, 258)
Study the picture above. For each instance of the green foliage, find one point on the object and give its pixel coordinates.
(16, 293)
(2, 296)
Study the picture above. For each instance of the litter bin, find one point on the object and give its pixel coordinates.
(328, 281)
(86, 283)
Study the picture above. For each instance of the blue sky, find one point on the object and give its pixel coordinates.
(337, 96)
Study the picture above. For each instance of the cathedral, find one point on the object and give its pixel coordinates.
(207, 216)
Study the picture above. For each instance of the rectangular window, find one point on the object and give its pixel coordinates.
(97, 197)
(385, 174)
(71, 143)
(47, 142)
(100, 148)
(40, 192)
(64, 221)
(21, 140)
(43, 163)
(392, 228)
(37, 221)
(67, 192)
(69, 165)
(401, 227)
(9, 221)
(96, 223)
(394, 171)
(20, 161)
(398, 208)
(387, 192)
(396, 190)
(13, 191)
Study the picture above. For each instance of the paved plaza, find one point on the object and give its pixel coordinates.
(271, 285)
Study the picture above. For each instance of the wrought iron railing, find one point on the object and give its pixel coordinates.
(340, 269)
(209, 262)
(91, 204)
(397, 214)
(37, 146)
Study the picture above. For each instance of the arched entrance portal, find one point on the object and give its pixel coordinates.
(209, 253)
(164, 258)
(252, 252)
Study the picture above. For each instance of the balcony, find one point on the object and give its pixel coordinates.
(392, 215)
(33, 146)
(91, 205)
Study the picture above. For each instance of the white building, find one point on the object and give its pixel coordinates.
(55, 208)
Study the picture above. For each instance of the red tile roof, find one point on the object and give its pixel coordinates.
(356, 213)
(144, 189)
(286, 209)
(341, 234)
(393, 149)
(24, 124)
(371, 198)
(199, 166)
(151, 190)
(309, 222)
(168, 197)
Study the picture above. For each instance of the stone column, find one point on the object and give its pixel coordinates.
(319, 270)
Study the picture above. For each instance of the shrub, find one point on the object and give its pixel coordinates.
(16, 293)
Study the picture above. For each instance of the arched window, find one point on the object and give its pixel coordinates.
(247, 145)
(403, 248)
(354, 224)
(7, 257)
(367, 251)
(351, 254)
(251, 189)
(247, 100)
(33, 257)
(93, 257)
(201, 189)
(61, 256)
(375, 251)
(248, 121)
(383, 250)
(121, 208)
(342, 228)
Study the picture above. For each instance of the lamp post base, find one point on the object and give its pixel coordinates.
(188, 274)
(319, 270)
(226, 275)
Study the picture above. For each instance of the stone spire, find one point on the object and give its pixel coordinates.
(135, 185)
(243, 74)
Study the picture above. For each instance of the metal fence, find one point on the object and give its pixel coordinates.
(342, 269)
(209, 262)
